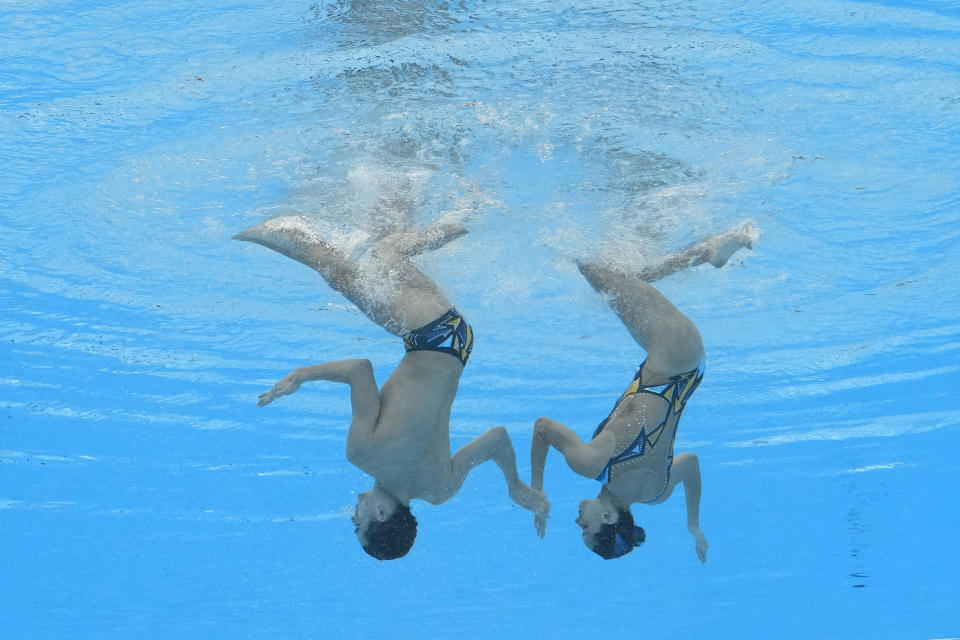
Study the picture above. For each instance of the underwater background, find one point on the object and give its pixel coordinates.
(144, 494)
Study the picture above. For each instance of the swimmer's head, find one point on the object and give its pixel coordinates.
(385, 528)
(608, 532)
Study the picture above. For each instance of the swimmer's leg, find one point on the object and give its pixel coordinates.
(392, 291)
(293, 237)
(716, 250)
(406, 244)
(414, 299)
(671, 340)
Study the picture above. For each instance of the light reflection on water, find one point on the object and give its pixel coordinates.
(142, 490)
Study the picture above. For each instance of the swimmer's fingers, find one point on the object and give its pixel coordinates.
(702, 545)
(540, 522)
(284, 387)
(542, 508)
(542, 511)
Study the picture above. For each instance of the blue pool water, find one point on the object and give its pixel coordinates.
(144, 494)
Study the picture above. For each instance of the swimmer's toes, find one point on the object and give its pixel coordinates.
(259, 233)
(722, 248)
(749, 235)
(244, 235)
(289, 235)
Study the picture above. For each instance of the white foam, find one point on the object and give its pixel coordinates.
(874, 467)
(881, 427)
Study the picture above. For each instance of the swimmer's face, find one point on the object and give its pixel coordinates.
(593, 515)
(372, 506)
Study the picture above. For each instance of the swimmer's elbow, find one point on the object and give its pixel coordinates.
(362, 366)
(542, 426)
(686, 468)
(358, 451)
(500, 432)
(687, 460)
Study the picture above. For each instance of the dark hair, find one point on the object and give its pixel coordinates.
(615, 540)
(393, 537)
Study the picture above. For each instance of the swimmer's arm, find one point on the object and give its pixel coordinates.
(686, 470)
(364, 396)
(585, 458)
(495, 445)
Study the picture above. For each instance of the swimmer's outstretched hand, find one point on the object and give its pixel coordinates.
(284, 387)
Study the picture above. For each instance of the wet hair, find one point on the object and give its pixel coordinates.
(615, 540)
(393, 537)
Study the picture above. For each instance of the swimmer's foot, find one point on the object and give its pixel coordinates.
(294, 237)
(277, 233)
(718, 249)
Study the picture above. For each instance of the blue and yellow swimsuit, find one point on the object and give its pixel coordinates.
(449, 333)
(676, 392)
